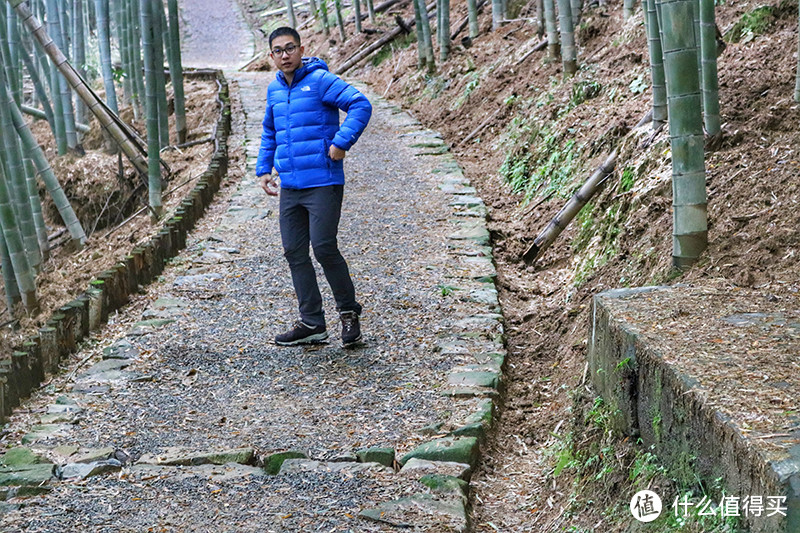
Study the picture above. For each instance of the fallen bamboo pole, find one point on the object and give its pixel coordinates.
(568, 212)
(377, 45)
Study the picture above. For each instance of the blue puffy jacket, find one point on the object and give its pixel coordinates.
(302, 121)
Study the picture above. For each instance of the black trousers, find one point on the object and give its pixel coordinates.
(311, 216)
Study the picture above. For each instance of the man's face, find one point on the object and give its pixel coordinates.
(286, 53)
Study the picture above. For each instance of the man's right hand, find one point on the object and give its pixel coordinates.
(269, 185)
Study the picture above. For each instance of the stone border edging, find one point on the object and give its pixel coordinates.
(445, 464)
(41, 354)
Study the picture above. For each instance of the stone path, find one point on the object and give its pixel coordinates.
(184, 416)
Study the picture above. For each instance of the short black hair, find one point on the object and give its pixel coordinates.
(284, 30)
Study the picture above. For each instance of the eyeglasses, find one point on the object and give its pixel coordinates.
(289, 50)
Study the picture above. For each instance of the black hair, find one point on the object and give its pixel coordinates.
(284, 30)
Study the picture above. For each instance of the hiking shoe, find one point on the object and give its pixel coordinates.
(351, 328)
(302, 333)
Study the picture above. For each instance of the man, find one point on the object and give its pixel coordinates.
(303, 141)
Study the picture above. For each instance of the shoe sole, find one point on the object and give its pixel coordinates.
(317, 338)
(355, 342)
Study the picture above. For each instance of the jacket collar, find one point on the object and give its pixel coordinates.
(309, 64)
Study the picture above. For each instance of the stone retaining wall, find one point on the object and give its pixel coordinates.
(26, 368)
(665, 382)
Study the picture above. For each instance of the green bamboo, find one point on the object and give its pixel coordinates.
(34, 151)
(36, 209)
(323, 13)
(577, 7)
(15, 175)
(656, 65)
(23, 273)
(121, 30)
(9, 65)
(312, 5)
(9, 279)
(708, 46)
(126, 139)
(290, 13)
(690, 224)
(553, 46)
(444, 30)
(797, 75)
(12, 34)
(370, 11)
(157, 15)
(497, 14)
(135, 45)
(176, 72)
(430, 63)
(38, 87)
(568, 53)
(472, 18)
(59, 83)
(420, 36)
(357, 9)
(104, 46)
(151, 107)
(78, 39)
(628, 7)
(337, 6)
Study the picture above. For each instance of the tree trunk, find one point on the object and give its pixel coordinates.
(58, 29)
(568, 212)
(357, 9)
(323, 13)
(134, 46)
(656, 64)
(16, 181)
(290, 13)
(444, 30)
(39, 88)
(421, 59)
(9, 219)
(34, 150)
(109, 121)
(553, 48)
(497, 14)
(472, 16)
(628, 7)
(78, 33)
(797, 75)
(337, 5)
(577, 8)
(104, 46)
(708, 45)
(176, 71)
(371, 11)
(157, 14)
(690, 225)
(9, 279)
(568, 52)
(151, 108)
(430, 62)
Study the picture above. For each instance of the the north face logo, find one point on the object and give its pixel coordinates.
(305, 88)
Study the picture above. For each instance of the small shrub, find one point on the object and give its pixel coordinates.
(752, 23)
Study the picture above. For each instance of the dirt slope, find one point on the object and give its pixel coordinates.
(516, 108)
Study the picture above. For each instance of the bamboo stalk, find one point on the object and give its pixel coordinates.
(108, 120)
(558, 224)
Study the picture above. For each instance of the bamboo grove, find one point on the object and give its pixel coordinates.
(56, 56)
(682, 49)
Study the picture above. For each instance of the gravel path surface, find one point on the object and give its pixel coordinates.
(202, 375)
